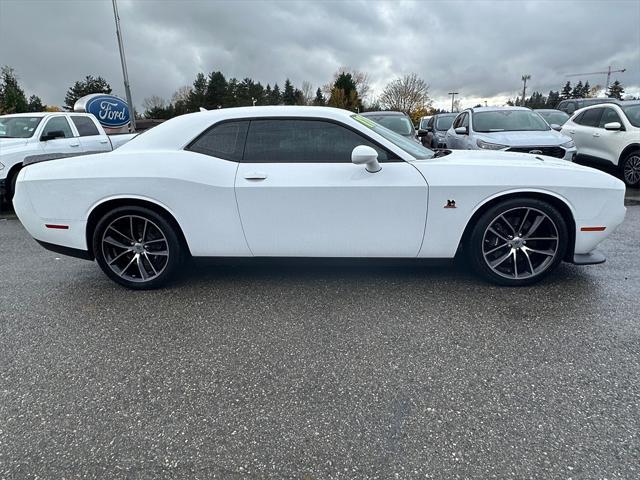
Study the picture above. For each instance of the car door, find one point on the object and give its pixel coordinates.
(453, 139)
(92, 139)
(299, 194)
(66, 144)
(585, 125)
(607, 144)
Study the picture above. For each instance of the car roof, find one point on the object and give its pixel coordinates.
(496, 109)
(548, 110)
(30, 114)
(383, 113)
(445, 114)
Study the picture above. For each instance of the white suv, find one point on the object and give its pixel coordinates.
(609, 133)
(511, 129)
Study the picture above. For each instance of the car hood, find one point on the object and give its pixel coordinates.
(548, 138)
(500, 158)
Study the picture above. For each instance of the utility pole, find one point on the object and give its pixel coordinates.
(127, 90)
(524, 87)
(453, 95)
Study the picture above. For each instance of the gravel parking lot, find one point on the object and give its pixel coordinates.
(313, 370)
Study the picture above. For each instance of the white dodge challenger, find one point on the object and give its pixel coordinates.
(312, 182)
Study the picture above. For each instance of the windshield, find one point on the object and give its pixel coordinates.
(18, 127)
(508, 121)
(398, 124)
(413, 148)
(633, 114)
(559, 118)
(423, 123)
(444, 123)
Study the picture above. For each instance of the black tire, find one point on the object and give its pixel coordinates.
(530, 263)
(146, 257)
(11, 185)
(630, 169)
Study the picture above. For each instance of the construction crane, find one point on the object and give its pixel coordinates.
(608, 72)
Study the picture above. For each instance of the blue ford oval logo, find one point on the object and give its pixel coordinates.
(109, 110)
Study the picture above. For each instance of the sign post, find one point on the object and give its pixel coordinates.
(127, 90)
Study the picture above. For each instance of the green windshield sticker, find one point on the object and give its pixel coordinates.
(364, 121)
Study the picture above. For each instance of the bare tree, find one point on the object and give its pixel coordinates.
(406, 94)
(307, 92)
(153, 102)
(181, 95)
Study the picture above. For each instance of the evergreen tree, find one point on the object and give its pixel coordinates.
(35, 104)
(231, 95)
(85, 87)
(215, 91)
(615, 90)
(319, 100)
(276, 96)
(289, 94)
(198, 95)
(566, 91)
(12, 98)
(586, 90)
(267, 95)
(344, 93)
(553, 99)
(577, 90)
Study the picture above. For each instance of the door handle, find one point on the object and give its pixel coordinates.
(105, 140)
(74, 144)
(572, 132)
(255, 176)
(596, 134)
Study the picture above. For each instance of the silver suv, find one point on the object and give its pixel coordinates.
(510, 129)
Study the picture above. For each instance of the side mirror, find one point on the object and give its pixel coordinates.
(556, 127)
(367, 156)
(613, 126)
(52, 135)
(462, 130)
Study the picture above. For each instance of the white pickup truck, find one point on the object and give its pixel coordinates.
(25, 135)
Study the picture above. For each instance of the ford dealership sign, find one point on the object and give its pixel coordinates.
(110, 111)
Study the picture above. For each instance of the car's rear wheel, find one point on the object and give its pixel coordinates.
(630, 169)
(137, 247)
(518, 241)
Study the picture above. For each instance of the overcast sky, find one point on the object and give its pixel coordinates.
(480, 49)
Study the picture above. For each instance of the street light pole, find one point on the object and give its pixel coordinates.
(453, 95)
(127, 90)
(524, 88)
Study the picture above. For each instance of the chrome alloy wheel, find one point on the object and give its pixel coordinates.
(135, 248)
(632, 170)
(520, 243)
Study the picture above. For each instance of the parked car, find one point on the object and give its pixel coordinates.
(435, 135)
(313, 182)
(570, 105)
(553, 117)
(511, 129)
(609, 133)
(46, 133)
(423, 122)
(395, 121)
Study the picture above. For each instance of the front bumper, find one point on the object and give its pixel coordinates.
(592, 258)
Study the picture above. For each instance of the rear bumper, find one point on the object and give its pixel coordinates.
(592, 258)
(70, 252)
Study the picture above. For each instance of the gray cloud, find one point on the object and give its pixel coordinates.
(478, 48)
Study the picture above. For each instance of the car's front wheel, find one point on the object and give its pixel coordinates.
(137, 247)
(630, 169)
(518, 241)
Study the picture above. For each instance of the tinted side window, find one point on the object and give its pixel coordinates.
(591, 118)
(578, 118)
(225, 140)
(609, 115)
(303, 141)
(457, 121)
(58, 124)
(85, 126)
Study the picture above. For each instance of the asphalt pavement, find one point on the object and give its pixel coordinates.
(319, 370)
